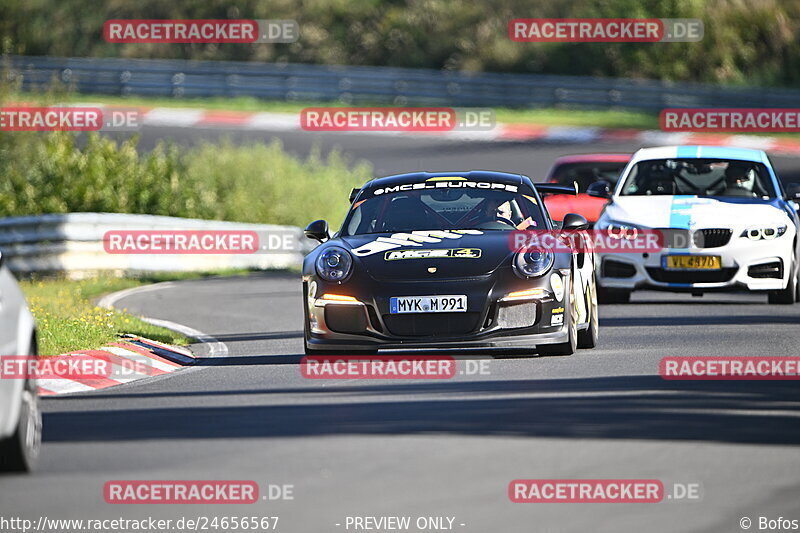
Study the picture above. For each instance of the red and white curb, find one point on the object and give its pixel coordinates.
(241, 120)
(129, 360)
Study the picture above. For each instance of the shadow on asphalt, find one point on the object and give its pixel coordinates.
(257, 336)
(693, 302)
(629, 407)
(699, 320)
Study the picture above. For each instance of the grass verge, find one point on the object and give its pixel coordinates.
(68, 319)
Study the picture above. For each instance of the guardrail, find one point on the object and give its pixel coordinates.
(74, 244)
(380, 85)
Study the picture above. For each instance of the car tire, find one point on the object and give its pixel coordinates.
(588, 337)
(789, 295)
(570, 346)
(20, 452)
(613, 296)
(797, 292)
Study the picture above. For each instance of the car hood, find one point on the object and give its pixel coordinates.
(411, 255)
(693, 211)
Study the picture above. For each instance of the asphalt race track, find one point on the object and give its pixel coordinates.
(436, 447)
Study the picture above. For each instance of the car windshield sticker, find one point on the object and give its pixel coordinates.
(414, 238)
(450, 184)
(466, 253)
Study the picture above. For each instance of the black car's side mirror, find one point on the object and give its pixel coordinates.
(318, 230)
(574, 222)
(354, 194)
(599, 189)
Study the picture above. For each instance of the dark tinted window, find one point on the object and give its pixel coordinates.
(444, 209)
(587, 173)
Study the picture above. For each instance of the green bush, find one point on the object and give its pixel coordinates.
(54, 173)
(261, 183)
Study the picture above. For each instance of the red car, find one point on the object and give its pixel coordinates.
(584, 170)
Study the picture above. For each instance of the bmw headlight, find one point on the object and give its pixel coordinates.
(759, 233)
(533, 263)
(334, 264)
(619, 230)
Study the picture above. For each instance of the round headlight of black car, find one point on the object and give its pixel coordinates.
(533, 263)
(334, 264)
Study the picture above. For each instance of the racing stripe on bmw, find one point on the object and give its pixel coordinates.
(690, 152)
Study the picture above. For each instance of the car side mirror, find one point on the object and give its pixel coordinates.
(574, 222)
(318, 230)
(354, 194)
(599, 189)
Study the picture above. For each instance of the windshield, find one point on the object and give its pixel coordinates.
(444, 209)
(702, 177)
(586, 173)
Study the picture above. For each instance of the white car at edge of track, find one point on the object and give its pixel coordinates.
(20, 418)
(726, 220)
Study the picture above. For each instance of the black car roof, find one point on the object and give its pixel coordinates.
(472, 175)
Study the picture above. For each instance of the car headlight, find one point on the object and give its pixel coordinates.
(759, 233)
(334, 264)
(619, 230)
(533, 263)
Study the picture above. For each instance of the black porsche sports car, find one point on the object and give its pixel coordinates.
(423, 260)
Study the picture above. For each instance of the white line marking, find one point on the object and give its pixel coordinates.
(166, 116)
(216, 348)
(109, 300)
(122, 352)
(273, 122)
(62, 386)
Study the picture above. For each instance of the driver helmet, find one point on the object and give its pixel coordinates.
(739, 175)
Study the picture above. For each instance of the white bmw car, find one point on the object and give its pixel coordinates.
(726, 221)
(20, 419)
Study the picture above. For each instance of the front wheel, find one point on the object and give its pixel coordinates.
(19, 453)
(588, 337)
(789, 295)
(570, 346)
